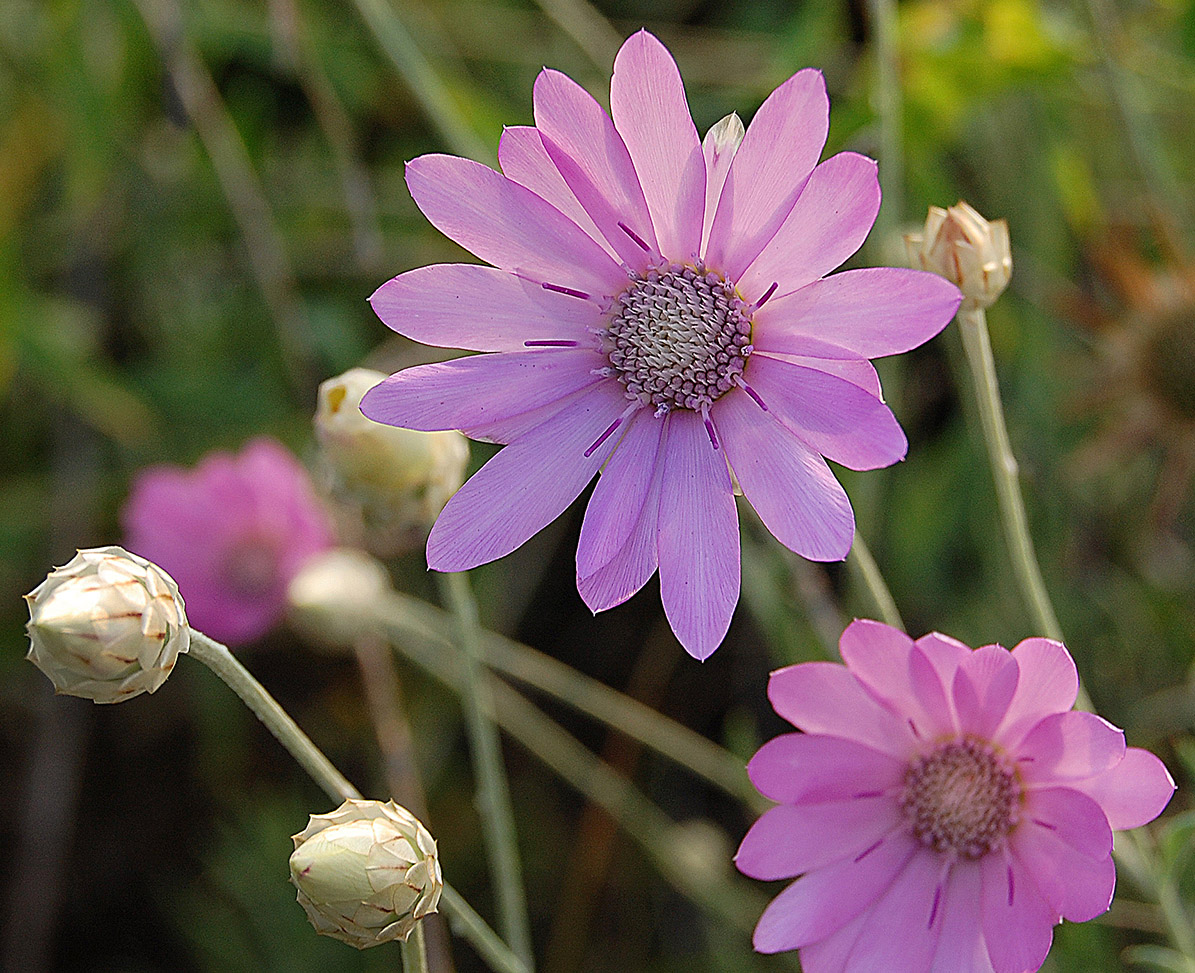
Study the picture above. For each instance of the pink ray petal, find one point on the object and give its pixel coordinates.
(1049, 683)
(829, 222)
(1132, 793)
(802, 768)
(526, 486)
(509, 226)
(822, 902)
(524, 160)
(480, 308)
(778, 153)
(509, 428)
(873, 312)
(938, 718)
(1076, 887)
(651, 113)
(983, 687)
(791, 839)
(898, 935)
(856, 371)
(620, 494)
(787, 482)
(698, 536)
(581, 140)
(1069, 747)
(1018, 924)
(467, 392)
(719, 147)
(1072, 817)
(837, 418)
(960, 944)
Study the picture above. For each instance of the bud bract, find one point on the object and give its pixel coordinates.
(366, 873)
(393, 481)
(968, 250)
(107, 626)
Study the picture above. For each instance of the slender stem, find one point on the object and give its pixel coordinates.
(865, 566)
(978, 347)
(887, 98)
(467, 923)
(493, 790)
(414, 951)
(225, 665)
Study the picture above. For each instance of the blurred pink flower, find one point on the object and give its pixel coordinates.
(232, 532)
(659, 312)
(944, 807)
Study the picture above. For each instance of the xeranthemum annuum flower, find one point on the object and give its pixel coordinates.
(944, 807)
(658, 311)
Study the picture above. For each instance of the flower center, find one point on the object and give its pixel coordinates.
(677, 337)
(961, 798)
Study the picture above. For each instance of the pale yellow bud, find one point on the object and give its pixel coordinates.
(963, 247)
(107, 626)
(394, 481)
(366, 873)
(334, 596)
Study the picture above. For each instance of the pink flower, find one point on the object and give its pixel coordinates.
(232, 532)
(944, 807)
(659, 312)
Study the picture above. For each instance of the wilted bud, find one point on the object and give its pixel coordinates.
(107, 626)
(963, 247)
(394, 481)
(332, 595)
(366, 873)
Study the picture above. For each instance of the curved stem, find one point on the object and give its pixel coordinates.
(865, 566)
(466, 923)
(493, 790)
(414, 951)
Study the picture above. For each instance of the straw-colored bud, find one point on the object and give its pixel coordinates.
(394, 481)
(334, 597)
(108, 626)
(963, 247)
(366, 873)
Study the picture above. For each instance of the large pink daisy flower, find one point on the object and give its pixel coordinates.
(945, 807)
(658, 311)
(232, 532)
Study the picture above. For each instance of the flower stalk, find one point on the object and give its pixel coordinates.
(861, 560)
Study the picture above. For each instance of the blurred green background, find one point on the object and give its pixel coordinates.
(196, 199)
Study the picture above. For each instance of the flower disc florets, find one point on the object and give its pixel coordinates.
(677, 337)
(961, 798)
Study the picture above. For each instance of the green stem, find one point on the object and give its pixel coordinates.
(465, 922)
(865, 566)
(225, 665)
(977, 345)
(493, 790)
(888, 108)
(414, 951)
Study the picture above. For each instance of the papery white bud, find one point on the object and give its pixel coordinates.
(968, 250)
(107, 626)
(395, 481)
(725, 134)
(332, 597)
(366, 873)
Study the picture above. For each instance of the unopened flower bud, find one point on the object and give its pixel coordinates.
(963, 247)
(366, 873)
(394, 481)
(332, 597)
(107, 626)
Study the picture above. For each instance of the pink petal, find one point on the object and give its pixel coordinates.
(620, 494)
(480, 308)
(582, 142)
(878, 656)
(509, 226)
(1075, 886)
(898, 935)
(509, 428)
(960, 944)
(984, 686)
(1069, 747)
(788, 484)
(873, 312)
(856, 371)
(1049, 684)
(823, 697)
(831, 955)
(719, 149)
(467, 392)
(698, 536)
(526, 486)
(789, 840)
(778, 153)
(937, 718)
(647, 100)
(1132, 793)
(822, 902)
(1018, 924)
(828, 223)
(799, 768)
(1072, 817)
(524, 160)
(837, 418)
